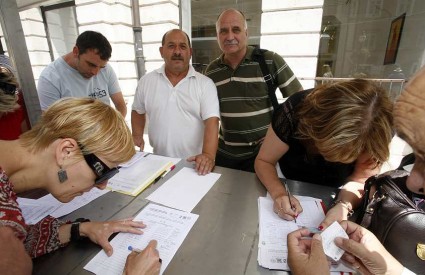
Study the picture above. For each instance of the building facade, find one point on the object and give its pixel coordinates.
(347, 38)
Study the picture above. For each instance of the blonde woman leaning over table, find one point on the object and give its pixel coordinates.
(336, 135)
(75, 147)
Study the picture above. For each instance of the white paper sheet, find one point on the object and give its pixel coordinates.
(168, 226)
(273, 231)
(172, 160)
(36, 210)
(184, 190)
(140, 155)
(328, 237)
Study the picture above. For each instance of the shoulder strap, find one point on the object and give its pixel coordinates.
(258, 56)
(406, 160)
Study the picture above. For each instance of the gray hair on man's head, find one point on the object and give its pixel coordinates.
(234, 10)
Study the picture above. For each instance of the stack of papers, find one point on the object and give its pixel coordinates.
(35, 210)
(273, 231)
(138, 173)
(168, 226)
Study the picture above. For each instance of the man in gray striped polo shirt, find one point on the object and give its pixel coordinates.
(245, 107)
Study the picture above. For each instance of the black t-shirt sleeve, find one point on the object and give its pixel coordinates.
(285, 120)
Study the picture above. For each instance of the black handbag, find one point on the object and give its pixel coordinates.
(390, 213)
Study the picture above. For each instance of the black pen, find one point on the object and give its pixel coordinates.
(289, 197)
(160, 176)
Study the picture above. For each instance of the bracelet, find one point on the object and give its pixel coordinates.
(75, 229)
(346, 205)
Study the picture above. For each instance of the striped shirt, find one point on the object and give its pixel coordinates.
(245, 107)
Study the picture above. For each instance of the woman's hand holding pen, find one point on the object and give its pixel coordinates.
(283, 208)
(146, 262)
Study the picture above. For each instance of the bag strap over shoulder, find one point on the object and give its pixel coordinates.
(258, 56)
(406, 160)
(364, 217)
(382, 185)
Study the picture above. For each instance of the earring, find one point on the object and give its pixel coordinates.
(62, 175)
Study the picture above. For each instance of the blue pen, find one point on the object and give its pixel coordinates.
(134, 249)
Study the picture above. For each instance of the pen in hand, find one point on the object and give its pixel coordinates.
(138, 251)
(289, 197)
(134, 249)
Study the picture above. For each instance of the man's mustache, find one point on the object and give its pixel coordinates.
(230, 42)
(177, 57)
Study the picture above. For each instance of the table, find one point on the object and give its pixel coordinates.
(224, 240)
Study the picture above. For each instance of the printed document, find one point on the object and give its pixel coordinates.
(184, 190)
(273, 231)
(138, 173)
(35, 210)
(168, 226)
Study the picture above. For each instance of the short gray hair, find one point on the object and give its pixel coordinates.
(226, 10)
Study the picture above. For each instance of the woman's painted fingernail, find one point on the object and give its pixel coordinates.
(320, 228)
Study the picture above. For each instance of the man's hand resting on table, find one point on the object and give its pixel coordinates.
(204, 163)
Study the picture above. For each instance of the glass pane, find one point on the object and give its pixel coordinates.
(62, 30)
(372, 39)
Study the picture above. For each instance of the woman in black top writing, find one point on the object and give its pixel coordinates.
(336, 135)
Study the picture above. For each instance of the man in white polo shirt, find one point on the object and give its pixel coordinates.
(181, 105)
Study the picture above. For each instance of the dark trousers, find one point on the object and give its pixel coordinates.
(238, 164)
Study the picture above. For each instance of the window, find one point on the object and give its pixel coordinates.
(61, 27)
(361, 42)
(374, 8)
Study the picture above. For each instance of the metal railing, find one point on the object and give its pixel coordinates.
(393, 86)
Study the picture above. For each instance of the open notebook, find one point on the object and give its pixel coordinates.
(140, 172)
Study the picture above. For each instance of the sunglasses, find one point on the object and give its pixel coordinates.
(102, 171)
(8, 89)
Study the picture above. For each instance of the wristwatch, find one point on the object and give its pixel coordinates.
(75, 229)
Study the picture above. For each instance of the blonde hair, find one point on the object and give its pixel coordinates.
(94, 125)
(346, 119)
(8, 102)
